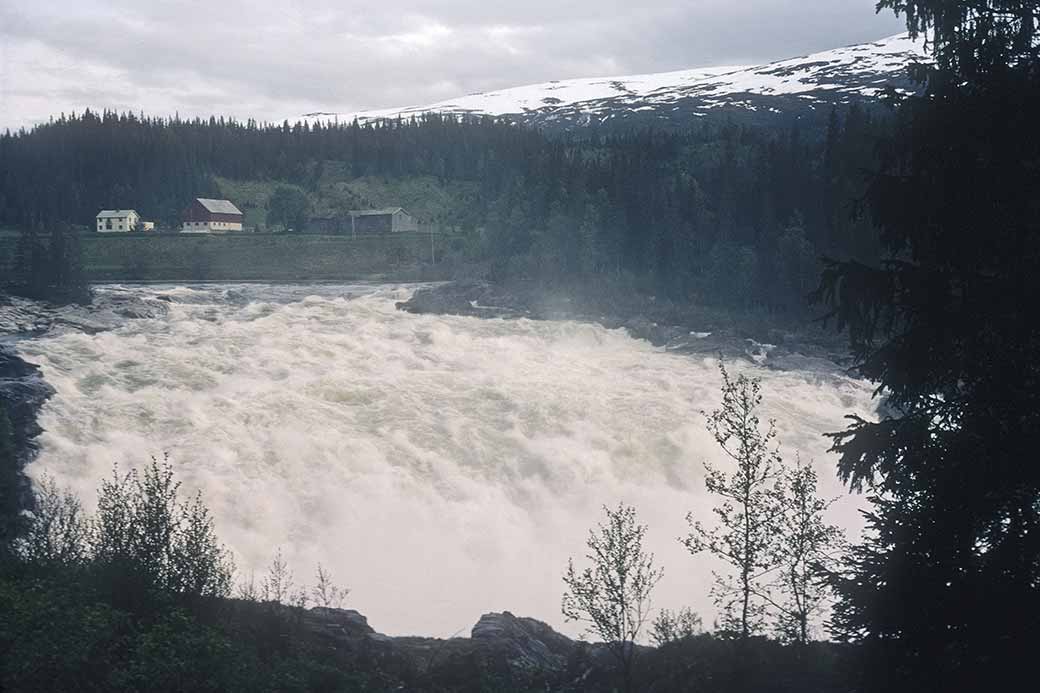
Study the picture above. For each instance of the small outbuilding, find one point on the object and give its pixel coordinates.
(205, 215)
(117, 220)
(328, 224)
(390, 220)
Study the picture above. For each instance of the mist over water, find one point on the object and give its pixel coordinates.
(440, 467)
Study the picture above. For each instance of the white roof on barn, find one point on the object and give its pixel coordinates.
(376, 212)
(115, 213)
(218, 206)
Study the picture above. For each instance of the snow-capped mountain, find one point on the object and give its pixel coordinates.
(796, 87)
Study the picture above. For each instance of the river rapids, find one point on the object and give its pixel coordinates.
(440, 467)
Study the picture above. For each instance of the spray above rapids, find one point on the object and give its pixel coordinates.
(441, 467)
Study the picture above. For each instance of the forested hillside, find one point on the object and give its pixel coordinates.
(728, 214)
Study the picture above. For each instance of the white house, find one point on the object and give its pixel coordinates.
(117, 220)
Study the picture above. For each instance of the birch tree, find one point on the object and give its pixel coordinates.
(612, 596)
(747, 512)
(806, 546)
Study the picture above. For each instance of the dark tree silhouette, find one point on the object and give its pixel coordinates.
(10, 483)
(288, 208)
(945, 592)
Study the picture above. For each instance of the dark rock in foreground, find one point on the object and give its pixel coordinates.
(509, 653)
(501, 647)
(523, 642)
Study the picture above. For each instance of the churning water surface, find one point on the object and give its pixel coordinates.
(441, 467)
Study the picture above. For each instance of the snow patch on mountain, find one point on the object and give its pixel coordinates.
(833, 76)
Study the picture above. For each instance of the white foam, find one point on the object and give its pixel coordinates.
(442, 467)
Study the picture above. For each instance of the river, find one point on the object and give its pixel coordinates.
(440, 467)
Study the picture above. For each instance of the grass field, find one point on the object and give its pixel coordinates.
(335, 192)
(248, 256)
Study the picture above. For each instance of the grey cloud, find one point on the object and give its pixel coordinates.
(276, 59)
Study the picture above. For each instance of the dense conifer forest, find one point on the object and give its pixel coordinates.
(732, 215)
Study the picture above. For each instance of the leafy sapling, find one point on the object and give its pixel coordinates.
(612, 596)
(747, 511)
(673, 626)
(326, 593)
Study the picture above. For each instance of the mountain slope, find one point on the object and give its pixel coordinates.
(798, 87)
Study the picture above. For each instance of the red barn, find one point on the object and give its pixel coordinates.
(211, 216)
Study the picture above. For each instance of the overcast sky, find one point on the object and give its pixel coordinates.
(272, 59)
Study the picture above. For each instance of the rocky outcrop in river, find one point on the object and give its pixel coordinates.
(23, 317)
(22, 393)
(23, 390)
(681, 328)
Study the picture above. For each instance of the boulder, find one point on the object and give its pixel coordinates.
(500, 643)
(525, 642)
(338, 624)
(473, 298)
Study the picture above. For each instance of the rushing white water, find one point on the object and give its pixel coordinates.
(441, 467)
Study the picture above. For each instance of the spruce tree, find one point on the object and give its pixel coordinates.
(944, 593)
